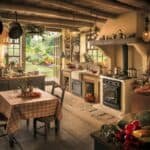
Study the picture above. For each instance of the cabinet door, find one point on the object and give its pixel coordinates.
(15, 84)
(76, 87)
(4, 85)
(38, 82)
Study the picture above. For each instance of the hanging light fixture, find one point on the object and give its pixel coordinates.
(146, 33)
(94, 30)
(1, 27)
(15, 30)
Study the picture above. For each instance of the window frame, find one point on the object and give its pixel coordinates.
(14, 42)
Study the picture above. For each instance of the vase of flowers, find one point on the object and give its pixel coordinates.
(25, 87)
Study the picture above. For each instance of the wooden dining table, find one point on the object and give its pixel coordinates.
(17, 108)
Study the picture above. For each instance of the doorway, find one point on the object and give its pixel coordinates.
(43, 54)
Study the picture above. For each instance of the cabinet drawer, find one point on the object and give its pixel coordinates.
(4, 85)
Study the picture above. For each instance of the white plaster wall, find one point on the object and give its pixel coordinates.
(126, 22)
(82, 46)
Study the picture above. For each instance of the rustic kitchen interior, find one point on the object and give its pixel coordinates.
(99, 56)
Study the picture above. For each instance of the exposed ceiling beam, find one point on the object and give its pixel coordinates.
(137, 3)
(45, 20)
(47, 12)
(53, 29)
(79, 9)
(25, 22)
(109, 4)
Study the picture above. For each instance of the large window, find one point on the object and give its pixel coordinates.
(14, 51)
(95, 53)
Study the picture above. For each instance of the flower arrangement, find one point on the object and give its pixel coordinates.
(25, 87)
(128, 137)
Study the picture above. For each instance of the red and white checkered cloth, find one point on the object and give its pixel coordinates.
(17, 108)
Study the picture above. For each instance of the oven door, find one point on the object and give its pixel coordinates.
(111, 96)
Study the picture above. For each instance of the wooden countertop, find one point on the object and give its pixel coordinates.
(21, 77)
(90, 74)
(69, 70)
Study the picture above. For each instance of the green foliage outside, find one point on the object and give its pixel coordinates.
(40, 53)
(40, 49)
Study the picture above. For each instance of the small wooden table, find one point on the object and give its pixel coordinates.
(17, 108)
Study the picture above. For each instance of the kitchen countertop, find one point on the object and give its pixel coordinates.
(116, 79)
(21, 77)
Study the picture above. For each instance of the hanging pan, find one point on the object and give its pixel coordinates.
(1, 27)
(15, 29)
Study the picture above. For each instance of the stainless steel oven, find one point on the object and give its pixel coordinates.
(112, 93)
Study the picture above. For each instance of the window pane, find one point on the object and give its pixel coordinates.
(16, 41)
(14, 59)
(16, 52)
(90, 52)
(10, 52)
(16, 46)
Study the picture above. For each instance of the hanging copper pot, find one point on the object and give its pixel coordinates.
(15, 29)
(1, 27)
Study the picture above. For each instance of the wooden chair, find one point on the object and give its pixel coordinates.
(12, 139)
(48, 119)
(3, 123)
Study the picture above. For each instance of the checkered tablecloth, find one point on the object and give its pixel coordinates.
(17, 108)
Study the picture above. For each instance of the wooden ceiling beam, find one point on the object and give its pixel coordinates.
(54, 26)
(45, 20)
(45, 12)
(143, 4)
(79, 9)
(109, 3)
(53, 29)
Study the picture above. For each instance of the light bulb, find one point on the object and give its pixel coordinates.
(146, 36)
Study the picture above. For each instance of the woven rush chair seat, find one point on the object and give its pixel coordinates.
(46, 120)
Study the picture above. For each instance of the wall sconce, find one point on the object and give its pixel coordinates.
(146, 32)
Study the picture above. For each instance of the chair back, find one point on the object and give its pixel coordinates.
(58, 91)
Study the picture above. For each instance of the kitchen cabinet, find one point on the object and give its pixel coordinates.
(66, 79)
(14, 82)
(4, 85)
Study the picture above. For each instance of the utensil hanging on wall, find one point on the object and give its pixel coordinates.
(1, 27)
(15, 29)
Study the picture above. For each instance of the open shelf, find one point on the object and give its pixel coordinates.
(117, 41)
